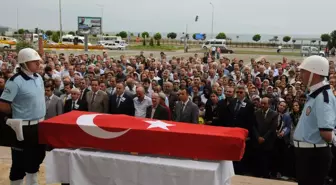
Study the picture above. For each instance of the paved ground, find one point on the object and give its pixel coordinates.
(5, 161)
(180, 53)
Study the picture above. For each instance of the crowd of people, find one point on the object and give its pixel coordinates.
(264, 97)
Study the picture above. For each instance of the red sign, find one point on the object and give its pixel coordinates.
(123, 133)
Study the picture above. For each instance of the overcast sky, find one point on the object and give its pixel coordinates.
(231, 16)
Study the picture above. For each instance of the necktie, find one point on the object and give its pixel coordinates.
(73, 105)
(182, 108)
(237, 107)
(47, 101)
(93, 97)
(118, 101)
(81, 96)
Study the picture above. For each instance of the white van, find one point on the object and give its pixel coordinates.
(68, 39)
(214, 42)
(311, 50)
(121, 42)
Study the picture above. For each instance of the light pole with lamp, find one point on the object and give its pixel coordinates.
(60, 19)
(212, 24)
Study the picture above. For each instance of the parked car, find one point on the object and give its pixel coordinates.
(4, 46)
(225, 49)
(113, 46)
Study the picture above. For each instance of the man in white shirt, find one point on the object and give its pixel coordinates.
(141, 102)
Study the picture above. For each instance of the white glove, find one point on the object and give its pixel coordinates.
(16, 125)
(334, 137)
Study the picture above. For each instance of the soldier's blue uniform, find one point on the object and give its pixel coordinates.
(313, 153)
(25, 93)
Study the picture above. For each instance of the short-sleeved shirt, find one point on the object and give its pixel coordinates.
(25, 93)
(141, 107)
(318, 115)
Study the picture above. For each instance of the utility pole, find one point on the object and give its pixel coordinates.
(60, 17)
(17, 19)
(185, 40)
(212, 25)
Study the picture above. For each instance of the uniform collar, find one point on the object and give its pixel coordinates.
(319, 90)
(25, 76)
(317, 86)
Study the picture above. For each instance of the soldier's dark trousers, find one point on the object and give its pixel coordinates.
(312, 165)
(27, 155)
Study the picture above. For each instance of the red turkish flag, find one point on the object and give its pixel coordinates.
(123, 133)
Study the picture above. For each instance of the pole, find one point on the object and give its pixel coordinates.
(185, 39)
(212, 24)
(102, 15)
(17, 19)
(60, 17)
(86, 39)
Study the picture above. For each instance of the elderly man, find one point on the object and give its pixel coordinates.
(141, 102)
(157, 111)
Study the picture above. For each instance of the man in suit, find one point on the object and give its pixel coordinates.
(168, 89)
(265, 133)
(96, 99)
(165, 77)
(222, 107)
(75, 103)
(54, 104)
(67, 93)
(156, 111)
(241, 114)
(185, 110)
(83, 89)
(120, 102)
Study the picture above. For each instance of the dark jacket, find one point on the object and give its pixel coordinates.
(82, 106)
(160, 113)
(126, 105)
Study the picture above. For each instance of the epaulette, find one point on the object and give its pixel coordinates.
(14, 76)
(324, 91)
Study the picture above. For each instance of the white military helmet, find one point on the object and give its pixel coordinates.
(316, 64)
(27, 55)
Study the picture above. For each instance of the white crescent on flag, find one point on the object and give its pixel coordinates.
(85, 122)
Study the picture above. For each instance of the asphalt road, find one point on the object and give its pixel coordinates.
(180, 53)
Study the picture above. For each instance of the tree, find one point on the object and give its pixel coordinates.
(151, 42)
(325, 37)
(194, 36)
(221, 35)
(132, 34)
(55, 37)
(286, 38)
(256, 37)
(72, 33)
(23, 44)
(123, 34)
(49, 33)
(171, 35)
(145, 34)
(157, 37)
(21, 31)
(117, 35)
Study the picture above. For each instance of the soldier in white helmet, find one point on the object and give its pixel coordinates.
(23, 97)
(314, 131)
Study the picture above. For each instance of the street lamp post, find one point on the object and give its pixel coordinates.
(212, 24)
(60, 19)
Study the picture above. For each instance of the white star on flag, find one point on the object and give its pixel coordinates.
(158, 124)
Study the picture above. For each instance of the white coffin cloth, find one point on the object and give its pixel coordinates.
(84, 167)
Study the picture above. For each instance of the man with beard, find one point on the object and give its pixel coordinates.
(222, 106)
